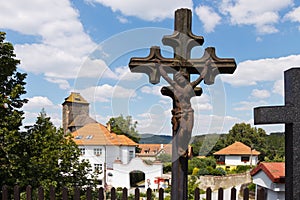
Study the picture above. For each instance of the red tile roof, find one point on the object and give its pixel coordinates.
(154, 149)
(274, 170)
(97, 134)
(237, 148)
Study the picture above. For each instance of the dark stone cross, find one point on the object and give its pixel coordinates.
(181, 90)
(289, 114)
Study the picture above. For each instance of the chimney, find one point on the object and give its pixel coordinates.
(108, 127)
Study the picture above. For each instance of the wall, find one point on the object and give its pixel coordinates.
(216, 182)
(121, 172)
(236, 160)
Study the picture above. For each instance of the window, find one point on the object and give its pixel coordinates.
(97, 151)
(82, 151)
(78, 137)
(98, 168)
(88, 137)
(131, 155)
(245, 158)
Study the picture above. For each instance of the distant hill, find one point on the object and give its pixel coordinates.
(148, 138)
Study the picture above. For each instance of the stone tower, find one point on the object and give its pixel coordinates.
(75, 112)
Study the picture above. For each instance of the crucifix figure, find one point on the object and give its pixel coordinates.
(289, 114)
(181, 89)
(183, 115)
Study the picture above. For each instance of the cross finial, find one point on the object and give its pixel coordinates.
(183, 40)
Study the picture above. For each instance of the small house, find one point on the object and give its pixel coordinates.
(151, 151)
(236, 154)
(270, 177)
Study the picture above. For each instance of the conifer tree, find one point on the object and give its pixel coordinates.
(12, 87)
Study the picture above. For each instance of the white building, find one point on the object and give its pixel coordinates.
(271, 177)
(236, 154)
(102, 148)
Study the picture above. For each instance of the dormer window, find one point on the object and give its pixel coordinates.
(78, 137)
(89, 137)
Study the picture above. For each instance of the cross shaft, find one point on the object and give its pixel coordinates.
(181, 91)
(289, 114)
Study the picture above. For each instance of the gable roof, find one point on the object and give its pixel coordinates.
(274, 170)
(82, 120)
(237, 148)
(75, 97)
(97, 134)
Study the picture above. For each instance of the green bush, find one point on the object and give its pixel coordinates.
(252, 187)
(203, 172)
(219, 172)
(167, 167)
(195, 171)
(242, 168)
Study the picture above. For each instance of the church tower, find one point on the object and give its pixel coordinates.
(75, 112)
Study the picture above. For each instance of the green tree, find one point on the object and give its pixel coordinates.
(12, 87)
(250, 136)
(124, 126)
(51, 158)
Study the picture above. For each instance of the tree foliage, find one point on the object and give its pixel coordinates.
(12, 87)
(50, 158)
(270, 146)
(41, 155)
(124, 126)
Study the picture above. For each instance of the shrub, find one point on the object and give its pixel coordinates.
(203, 172)
(195, 171)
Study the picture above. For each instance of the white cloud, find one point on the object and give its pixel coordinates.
(202, 103)
(123, 73)
(150, 10)
(251, 72)
(63, 84)
(155, 90)
(293, 15)
(261, 94)
(249, 105)
(208, 17)
(278, 87)
(62, 42)
(262, 14)
(105, 93)
(122, 20)
(39, 102)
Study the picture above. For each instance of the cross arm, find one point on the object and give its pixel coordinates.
(274, 115)
(149, 65)
(218, 65)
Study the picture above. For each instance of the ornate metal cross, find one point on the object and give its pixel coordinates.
(181, 90)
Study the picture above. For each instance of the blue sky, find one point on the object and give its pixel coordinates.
(85, 46)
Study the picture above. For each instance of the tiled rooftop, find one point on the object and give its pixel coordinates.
(237, 148)
(97, 134)
(274, 170)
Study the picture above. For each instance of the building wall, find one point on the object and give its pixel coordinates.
(107, 157)
(121, 172)
(274, 190)
(71, 111)
(236, 160)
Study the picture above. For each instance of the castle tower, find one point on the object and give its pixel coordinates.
(75, 112)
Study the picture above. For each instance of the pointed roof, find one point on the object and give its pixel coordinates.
(75, 97)
(82, 120)
(97, 134)
(237, 148)
(274, 170)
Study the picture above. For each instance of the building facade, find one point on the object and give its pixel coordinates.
(271, 177)
(236, 154)
(112, 157)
